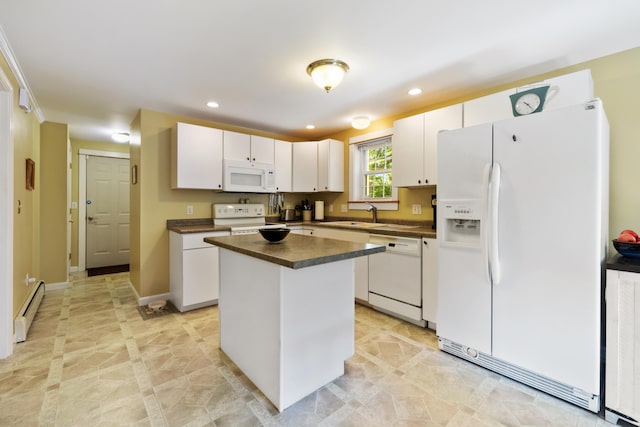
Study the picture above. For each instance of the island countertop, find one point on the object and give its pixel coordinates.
(295, 251)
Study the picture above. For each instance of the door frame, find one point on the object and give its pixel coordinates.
(82, 198)
(6, 217)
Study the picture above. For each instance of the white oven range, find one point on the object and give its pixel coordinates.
(242, 218)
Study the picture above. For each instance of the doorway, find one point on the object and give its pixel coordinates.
(103, 232)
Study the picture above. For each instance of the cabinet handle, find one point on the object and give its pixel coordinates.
(247, 158)
(426, 181)
(419, 182)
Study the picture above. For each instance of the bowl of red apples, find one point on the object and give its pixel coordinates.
(628, 244)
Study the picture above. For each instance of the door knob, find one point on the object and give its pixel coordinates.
(90, 218)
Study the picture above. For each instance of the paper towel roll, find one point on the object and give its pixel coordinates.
(319, 209)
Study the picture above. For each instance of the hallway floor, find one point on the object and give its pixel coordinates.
(90, 360)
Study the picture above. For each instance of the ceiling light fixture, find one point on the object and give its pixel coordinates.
(415, 91)
(360, 122)
(120, 137)
(311, 127)
(213, 104)
(327, 73)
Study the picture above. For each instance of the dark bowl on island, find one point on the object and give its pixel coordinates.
(631, 250)
(274, 235)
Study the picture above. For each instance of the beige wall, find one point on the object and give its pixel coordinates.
(26, 219)
(153, 200)
(76, 146)
(54, 144)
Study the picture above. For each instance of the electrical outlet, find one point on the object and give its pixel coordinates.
(343, 208)
(330, 208)
(189, 210)
(416, 209)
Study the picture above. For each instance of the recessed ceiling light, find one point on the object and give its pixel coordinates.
(212, 104)
(120, 137)
(415, 91)
(311, 127)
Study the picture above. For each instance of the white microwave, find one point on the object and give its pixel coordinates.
(248, 177)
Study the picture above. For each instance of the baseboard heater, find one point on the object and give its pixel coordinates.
(28, 312)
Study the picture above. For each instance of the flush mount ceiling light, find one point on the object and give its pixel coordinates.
(327, 73)
(415, 91)
(212, 104)
(120, 137)
(360, 122)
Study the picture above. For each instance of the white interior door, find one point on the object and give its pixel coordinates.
(107, 211)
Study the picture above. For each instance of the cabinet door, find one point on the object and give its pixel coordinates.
(262, 149)
(488, 108)
(237, 146)
(283, 165)
(330, 165)
(408, 145)
(447, 118)
(200, 275)
(305, 167)
(429, 279)
(196, 153)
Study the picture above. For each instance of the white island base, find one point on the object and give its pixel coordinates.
(289, 330)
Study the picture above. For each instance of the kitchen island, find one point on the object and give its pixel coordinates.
(287, 310)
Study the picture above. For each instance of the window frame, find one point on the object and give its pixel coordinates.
(356, 172)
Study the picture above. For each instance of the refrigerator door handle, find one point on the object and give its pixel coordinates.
(494, 195)
(484, 225)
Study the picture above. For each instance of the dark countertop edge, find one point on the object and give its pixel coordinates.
(622, 263)
(369, 249)
(203, 225)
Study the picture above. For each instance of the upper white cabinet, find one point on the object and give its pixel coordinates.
(283, 165)
(196, 157)
(305, 167)
(330, 165)
(248, 148)
(415, 145)
(565, 90)
(488, 108)
(318, 166)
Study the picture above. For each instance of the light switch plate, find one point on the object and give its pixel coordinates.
(343, 208)
(330, 208)
(416, 209)
(189, 210)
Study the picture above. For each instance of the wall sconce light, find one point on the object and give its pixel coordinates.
(327, 73)
(360, 122)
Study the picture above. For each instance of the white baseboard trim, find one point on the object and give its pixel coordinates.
(55, 286)
(73, 269)
(146, 300)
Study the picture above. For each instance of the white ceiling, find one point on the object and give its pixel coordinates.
(94, 64)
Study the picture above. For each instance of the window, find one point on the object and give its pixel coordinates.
(371, 171)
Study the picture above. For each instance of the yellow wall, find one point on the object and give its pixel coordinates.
(54, 143)
(76, 146)
(153, 201)
(26, 220)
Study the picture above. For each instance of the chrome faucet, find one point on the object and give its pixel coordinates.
(374, 212)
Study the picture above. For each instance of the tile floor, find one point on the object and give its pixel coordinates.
(90, 360)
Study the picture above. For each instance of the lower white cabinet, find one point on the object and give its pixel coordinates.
(430, 281)
(193, 270)
(622, 372)
(361, 264)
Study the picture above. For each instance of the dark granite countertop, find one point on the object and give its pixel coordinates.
(622, 263)
(295, 251)
(202, 225)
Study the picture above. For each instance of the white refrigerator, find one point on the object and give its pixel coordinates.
(522, 234)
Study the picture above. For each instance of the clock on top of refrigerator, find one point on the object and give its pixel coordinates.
(528, 101)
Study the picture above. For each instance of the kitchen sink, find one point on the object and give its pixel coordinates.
(356, 224)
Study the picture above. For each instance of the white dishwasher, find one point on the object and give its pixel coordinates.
(395, 277)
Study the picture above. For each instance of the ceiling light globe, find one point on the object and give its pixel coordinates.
(327, 73)
(120, 137)
(360, 122)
